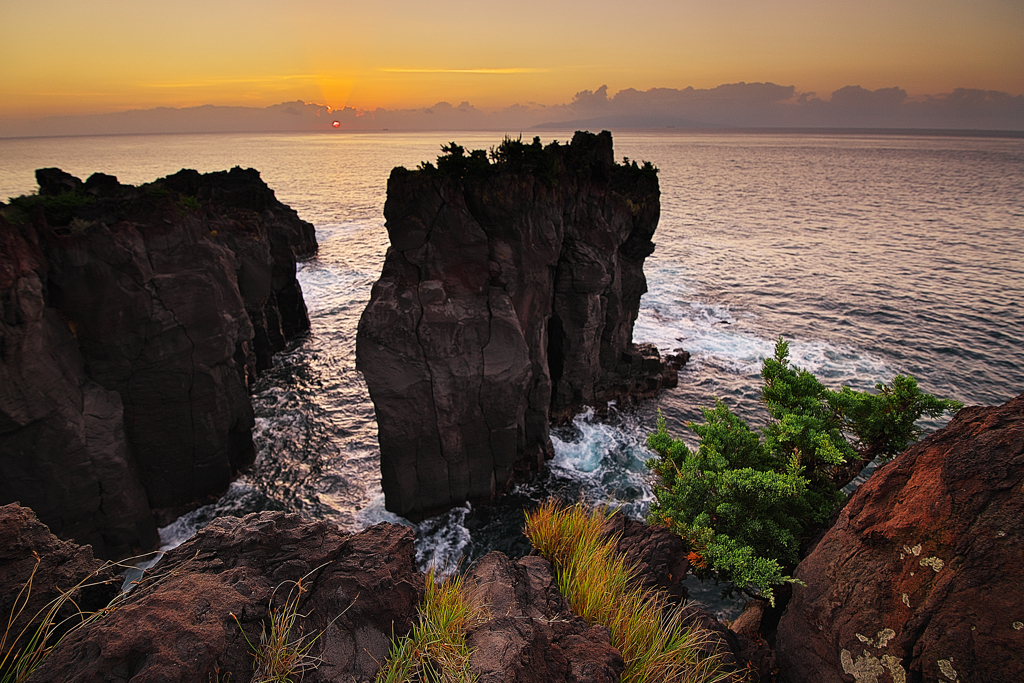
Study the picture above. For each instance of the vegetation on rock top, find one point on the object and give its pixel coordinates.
(514, 156)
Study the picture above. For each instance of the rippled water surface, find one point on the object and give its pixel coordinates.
(874, 255)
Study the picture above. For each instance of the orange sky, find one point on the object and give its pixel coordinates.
(71, 57)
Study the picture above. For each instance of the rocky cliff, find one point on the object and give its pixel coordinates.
(921, 579)
(507, 297)
(133, 320)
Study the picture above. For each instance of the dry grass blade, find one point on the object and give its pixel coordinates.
(655, 643)
(436, 649)
(284, 650)
(47, 628)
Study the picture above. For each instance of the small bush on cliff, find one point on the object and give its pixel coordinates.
(514, 156)
(745, 502)
(455, 162)
(517, 157)
(511, 155)
(59, 209)
(187, 204)
(655, 643)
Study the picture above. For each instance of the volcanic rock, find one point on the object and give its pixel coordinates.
(507, 298)
(133, 321)
(531, 634)
(658, 556)
(921, 577)
(180, 624)
(31, 556)
(198, 614)
(63, 448)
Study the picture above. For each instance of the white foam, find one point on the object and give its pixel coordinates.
(374, 511)
(186, 526)
(606, 458)
(442, 541)
(711, 333)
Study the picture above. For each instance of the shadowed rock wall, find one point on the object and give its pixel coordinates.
(508, 296)
(132, 321)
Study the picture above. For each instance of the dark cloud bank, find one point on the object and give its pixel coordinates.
(737, 105)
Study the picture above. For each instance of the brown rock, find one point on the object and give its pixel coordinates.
(177, 626)
(63, 447)
(531, 635)
(752, 647)
(61, 567)
(657, 555)
(921, 577)
(124, 390)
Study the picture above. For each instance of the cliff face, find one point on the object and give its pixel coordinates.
(920, 579)
(508, 295)
(133, 322)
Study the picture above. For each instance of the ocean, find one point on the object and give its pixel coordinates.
(873, 254)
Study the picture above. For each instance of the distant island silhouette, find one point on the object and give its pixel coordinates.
(731, 106)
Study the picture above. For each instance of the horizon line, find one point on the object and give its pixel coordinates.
(744, 130)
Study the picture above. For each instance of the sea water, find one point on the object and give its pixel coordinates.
(872, 254)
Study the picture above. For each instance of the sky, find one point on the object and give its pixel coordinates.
(62, 57)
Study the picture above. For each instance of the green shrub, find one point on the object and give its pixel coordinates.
(745, 502)
(59, 209)
(187, 204)
(512, 155)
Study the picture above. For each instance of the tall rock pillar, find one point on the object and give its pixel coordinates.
(510, 288)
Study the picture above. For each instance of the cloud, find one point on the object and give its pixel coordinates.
(768, 105)
(586, 100)
(854, 96)
(968, 108)
(734, 105)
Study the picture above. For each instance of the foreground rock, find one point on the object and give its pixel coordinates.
(530, 634)
(921, 578)
(507, 297)
(29, 551)
(360, 590)
(132, 320)
(178, 624)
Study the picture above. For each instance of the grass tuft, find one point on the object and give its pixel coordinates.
(436, 650)
(284, 650)
(54, 622)
(655, 643)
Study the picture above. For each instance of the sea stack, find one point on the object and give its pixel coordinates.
(132, 321)
(920, 578)
(507, 297)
